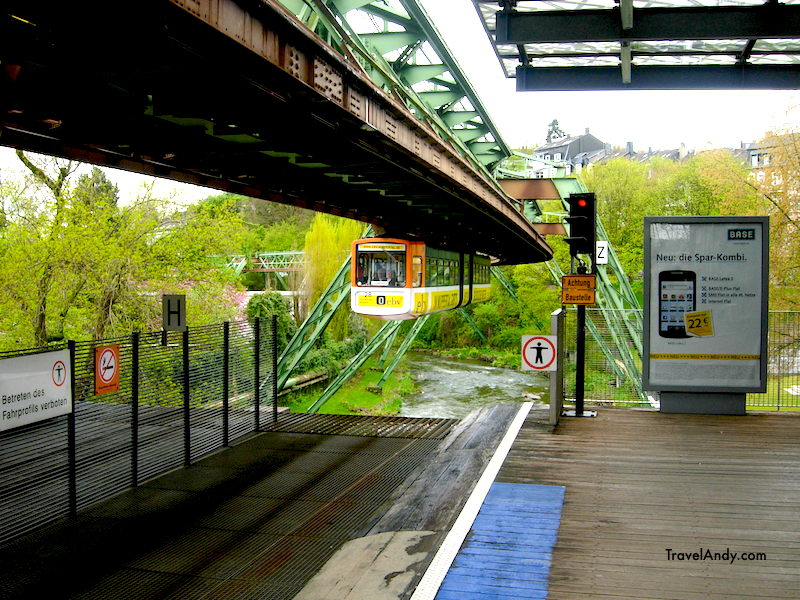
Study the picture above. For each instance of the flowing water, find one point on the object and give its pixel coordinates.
(453, 387)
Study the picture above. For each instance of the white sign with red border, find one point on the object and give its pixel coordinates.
(539, 353)
(34, 388)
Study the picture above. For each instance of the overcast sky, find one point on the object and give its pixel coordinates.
(660, 120)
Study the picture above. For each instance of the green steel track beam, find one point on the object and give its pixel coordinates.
(399, 47)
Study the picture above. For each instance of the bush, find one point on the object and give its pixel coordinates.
(272, 303)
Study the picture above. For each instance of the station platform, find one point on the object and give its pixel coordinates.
(632, 504)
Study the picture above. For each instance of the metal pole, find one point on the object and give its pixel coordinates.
(274, 340)
(580, 354)
(187, 422)
(135, 408)
(226, 347)
(257, 374)
(71, 433)
(557, 377)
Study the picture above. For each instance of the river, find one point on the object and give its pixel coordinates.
(451, 387)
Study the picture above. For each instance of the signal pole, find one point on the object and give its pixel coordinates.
(581, 240)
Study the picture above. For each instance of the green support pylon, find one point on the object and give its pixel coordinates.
(617, 304)
(404, 346)
(308, 333)
(509, 287)
(383, 334)
(470, 321)
(387, 349)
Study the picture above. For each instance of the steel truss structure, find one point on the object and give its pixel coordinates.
(645, 44)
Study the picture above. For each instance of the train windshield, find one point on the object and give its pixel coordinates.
(381, 263)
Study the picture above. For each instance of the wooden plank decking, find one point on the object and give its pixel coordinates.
(642, 483)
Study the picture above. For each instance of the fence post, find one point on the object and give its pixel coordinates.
(226, 348)
(274, 344)
(257, 374)
(71, 433)
(187, 438)
(557, 377)
(135, 408)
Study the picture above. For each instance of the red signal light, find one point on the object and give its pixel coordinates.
(581, 202)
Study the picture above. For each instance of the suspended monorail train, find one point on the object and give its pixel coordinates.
(397, 279)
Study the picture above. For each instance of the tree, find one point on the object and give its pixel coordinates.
(554, 131)
(327, 246)
(778, 185)
(74, 263)
(272, 303)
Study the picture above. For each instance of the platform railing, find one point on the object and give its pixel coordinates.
(181, 396)
(605, 386)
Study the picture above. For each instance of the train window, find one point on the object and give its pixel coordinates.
(416, 271)
(466, 270)
(446, 274)
(379, 267)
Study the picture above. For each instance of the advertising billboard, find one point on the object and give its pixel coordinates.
(705, 316)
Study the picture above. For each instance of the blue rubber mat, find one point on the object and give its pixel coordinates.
(508, 552)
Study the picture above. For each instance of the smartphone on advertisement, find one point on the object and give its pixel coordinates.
(676, 297)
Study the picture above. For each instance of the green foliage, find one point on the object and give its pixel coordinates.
(76, 264)
(330, 355)
(272, 303)
(327, 245)
(357, 395)
(710, 183)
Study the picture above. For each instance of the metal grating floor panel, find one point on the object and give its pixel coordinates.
(256, 521)
(357, 425)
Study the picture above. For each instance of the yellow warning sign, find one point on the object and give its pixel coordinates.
(579, 282)
(577, 297)
(699, 323)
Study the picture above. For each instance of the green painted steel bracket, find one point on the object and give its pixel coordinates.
(471, 322)
(380, 338)
(337, 292)
(509, 287)
(387, 349)
(419, 323)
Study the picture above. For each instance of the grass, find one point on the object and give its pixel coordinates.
(776, 392)
(357, 397)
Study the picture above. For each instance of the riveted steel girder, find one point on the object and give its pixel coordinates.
(771, 20)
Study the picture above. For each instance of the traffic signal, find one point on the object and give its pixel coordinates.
(581, 221)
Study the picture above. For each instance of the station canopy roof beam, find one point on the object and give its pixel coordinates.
(563, 45)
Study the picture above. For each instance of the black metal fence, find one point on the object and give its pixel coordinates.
(181, 395)
(605, 385)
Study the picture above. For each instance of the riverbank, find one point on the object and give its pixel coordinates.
(429, 383)
(496, 358)
(359, 396)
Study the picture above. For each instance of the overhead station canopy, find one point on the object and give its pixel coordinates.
(561, 45)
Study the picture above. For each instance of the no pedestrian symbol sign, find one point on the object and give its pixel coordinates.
(106, 369)
(539, 353)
